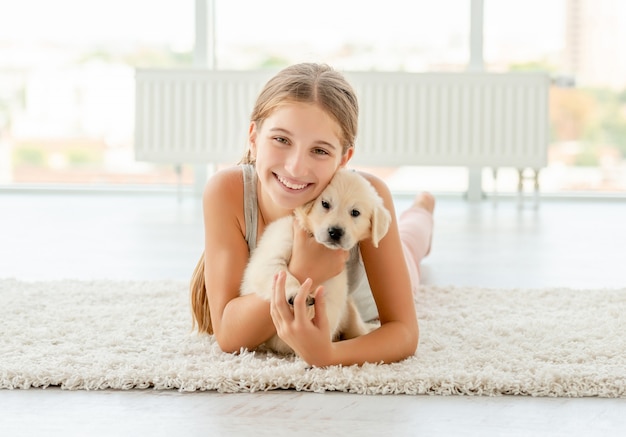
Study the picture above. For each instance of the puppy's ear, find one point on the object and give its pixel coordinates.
(381, 219)
(302, 214)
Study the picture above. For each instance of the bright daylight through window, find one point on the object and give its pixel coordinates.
(67, 79)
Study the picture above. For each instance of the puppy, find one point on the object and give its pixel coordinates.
(347, 211)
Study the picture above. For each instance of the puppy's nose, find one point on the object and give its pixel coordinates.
(335, 233)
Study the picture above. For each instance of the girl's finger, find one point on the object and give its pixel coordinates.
(320, 319)
(299, 303)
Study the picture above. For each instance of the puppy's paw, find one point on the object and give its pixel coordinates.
(310, 300)
(292, 287)
(310, 304)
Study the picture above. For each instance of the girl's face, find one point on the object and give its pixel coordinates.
(297, 150)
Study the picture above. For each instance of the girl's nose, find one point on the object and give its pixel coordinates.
(295, 163)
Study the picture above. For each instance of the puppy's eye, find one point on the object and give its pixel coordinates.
(355, 213)
(325, 204)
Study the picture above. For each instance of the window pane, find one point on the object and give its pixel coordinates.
(67, 86)
(417, 35)
(577, 42)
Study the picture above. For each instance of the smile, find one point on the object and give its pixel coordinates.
(290, 185)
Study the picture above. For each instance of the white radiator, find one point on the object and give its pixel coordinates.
(194, 116)
(449, 119)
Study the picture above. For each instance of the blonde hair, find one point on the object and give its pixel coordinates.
(303, 83)
(199, 300)
(310, 83)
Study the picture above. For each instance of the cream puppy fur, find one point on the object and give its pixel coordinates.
(347, 211)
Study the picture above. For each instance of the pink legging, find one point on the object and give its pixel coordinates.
(416, 228)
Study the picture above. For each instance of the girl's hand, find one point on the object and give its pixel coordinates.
(310, 259)
(309, 338)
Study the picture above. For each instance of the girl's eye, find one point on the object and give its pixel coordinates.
(281, 140)
(325, 204)
(355, 213)
(320, 152)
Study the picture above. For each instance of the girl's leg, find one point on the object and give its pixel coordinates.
(416, 230)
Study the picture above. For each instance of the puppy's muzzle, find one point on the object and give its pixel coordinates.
(335, 233)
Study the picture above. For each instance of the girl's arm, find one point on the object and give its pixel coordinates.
(238, 321)
(396, 339)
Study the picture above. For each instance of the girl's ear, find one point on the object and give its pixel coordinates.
(346, 156)
(252, 135)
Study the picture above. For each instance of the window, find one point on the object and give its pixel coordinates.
(576, 41)
(67, 86)
(67, 79)
(350, 35)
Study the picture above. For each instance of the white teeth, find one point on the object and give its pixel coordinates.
(290, 185)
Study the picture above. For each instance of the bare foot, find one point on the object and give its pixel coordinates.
(425, 200)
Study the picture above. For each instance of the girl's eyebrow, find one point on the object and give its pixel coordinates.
(288, 133)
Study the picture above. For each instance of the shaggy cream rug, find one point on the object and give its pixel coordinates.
(126, 335)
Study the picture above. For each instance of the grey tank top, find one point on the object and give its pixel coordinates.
(358, 286)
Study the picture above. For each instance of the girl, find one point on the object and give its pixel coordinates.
(302, 130)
